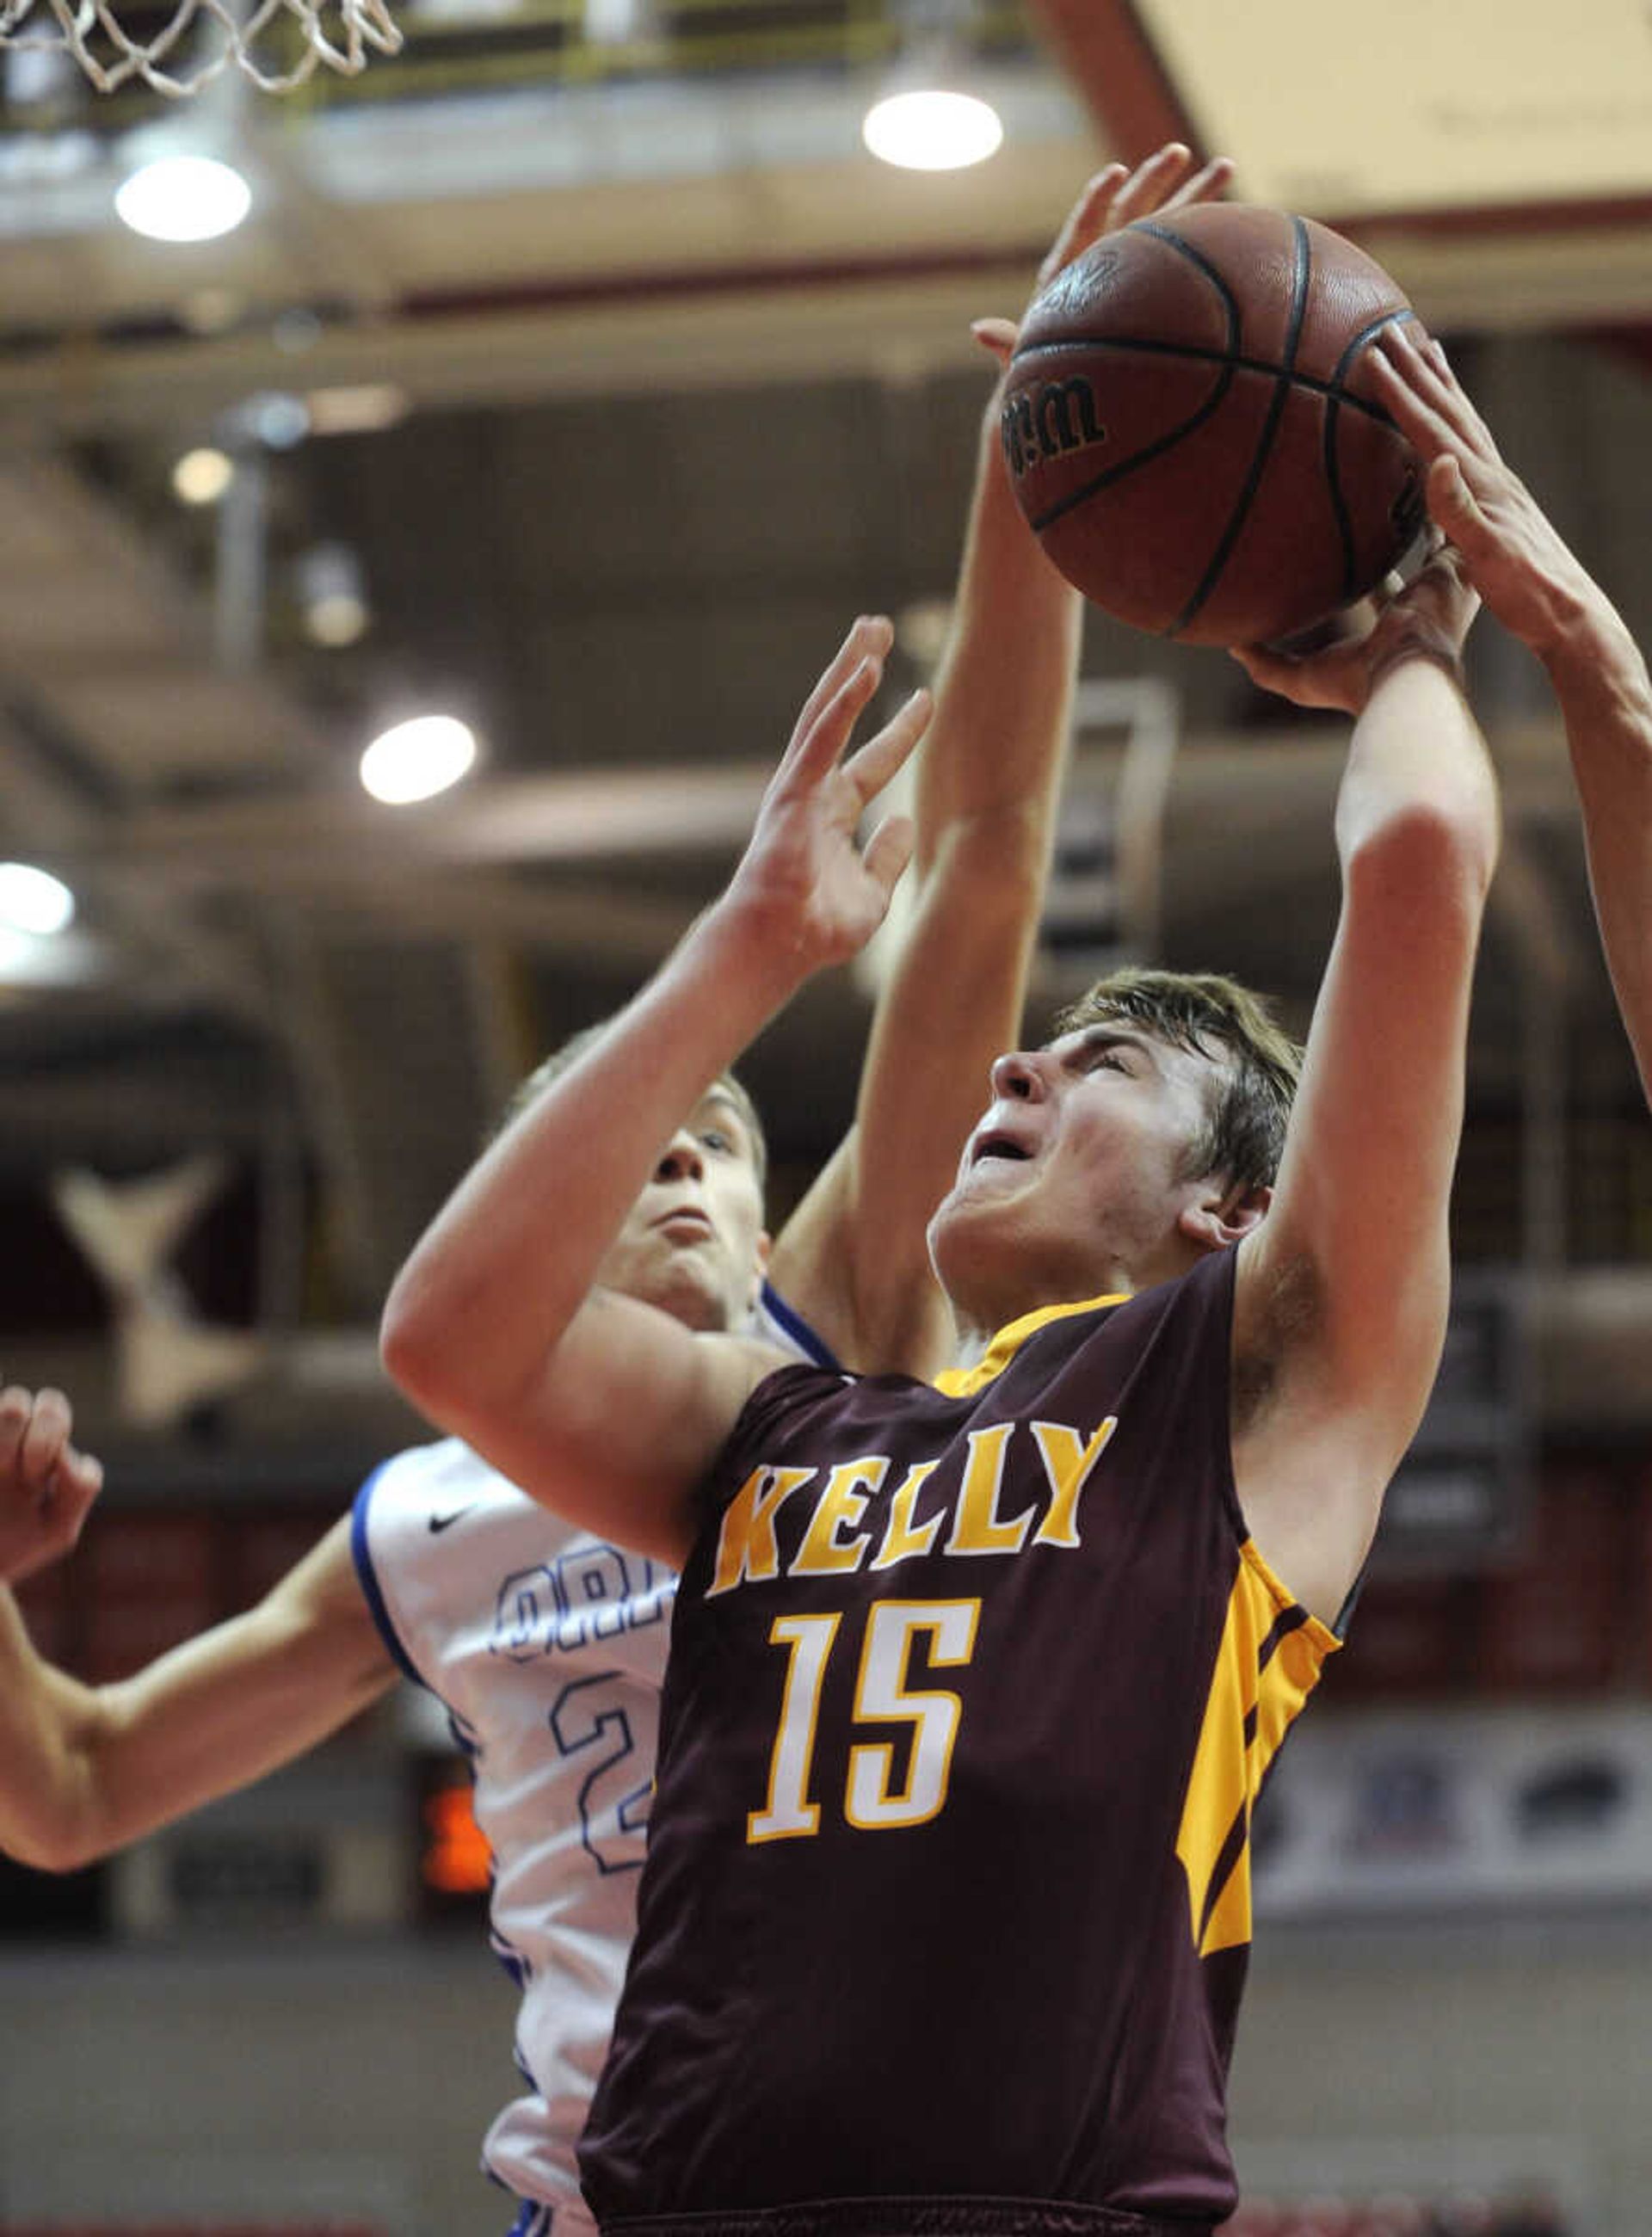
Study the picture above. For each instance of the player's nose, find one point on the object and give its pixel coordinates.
(1017, 1077)
(682, 1160)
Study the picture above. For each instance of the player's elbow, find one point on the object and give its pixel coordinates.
(418, 1345)
(57, 1830)
(54, 1849)
(445, 1350)
(1428, 855)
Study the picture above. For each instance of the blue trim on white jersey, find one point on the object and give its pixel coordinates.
(367, 1579)
(812, 1346)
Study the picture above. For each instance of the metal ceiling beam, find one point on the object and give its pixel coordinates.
(340, 839)
(1108, 58)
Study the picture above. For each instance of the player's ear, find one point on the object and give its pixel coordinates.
(765, 1244)
(1221, 1211)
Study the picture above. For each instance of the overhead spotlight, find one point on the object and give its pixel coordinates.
(33, 901)
(184, 198)
(930, 129)
(200, 476)
(331, 595)
(418, 759)
(923, 118)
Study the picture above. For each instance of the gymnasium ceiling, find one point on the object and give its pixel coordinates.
(673, 379)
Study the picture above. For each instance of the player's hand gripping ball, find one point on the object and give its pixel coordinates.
(1192, 427)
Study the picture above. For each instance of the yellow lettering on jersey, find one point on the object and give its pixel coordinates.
(746, 1544)
(976, 1527)
(1068, 1464)
(901, 1537)
(822, 1553)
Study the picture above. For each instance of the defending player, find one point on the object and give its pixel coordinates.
(532, 1634)
(1516, 559)
(946, 1909)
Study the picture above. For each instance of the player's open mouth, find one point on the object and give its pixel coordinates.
(999, 1146)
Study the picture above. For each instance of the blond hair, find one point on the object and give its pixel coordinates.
(557, 1062)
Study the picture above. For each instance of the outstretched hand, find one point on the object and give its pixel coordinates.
(1512, 553)
(815, 895)
(1429, 617)
(1116, 197)
(46, 1487)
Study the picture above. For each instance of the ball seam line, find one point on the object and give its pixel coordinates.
(1231, 534)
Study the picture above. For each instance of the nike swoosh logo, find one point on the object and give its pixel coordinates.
(439, 1523)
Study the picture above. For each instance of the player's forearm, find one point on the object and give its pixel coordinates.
(48, 1724)
(495, 1282)
(1004, 687)
(84, 1770)
(1418, 777)
(856, 1253)
(1373, 1142)
(1599, 679)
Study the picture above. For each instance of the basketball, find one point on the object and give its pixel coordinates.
(1191, 429)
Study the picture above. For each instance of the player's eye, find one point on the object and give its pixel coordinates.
(715, 1139)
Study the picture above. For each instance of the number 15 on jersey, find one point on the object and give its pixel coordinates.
(900, 1634)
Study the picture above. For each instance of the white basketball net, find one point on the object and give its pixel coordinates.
(338, 35)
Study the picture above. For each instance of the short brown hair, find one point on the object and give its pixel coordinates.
(1244, 1135)
(557, 1063)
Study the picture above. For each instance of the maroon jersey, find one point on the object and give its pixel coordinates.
(971, 1693)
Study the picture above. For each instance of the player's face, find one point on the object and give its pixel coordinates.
(693, 1242)
(1075, 1184)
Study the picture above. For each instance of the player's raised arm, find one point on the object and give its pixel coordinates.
(85, 1769)
(854, 1256)
(1342, 1291)
(1538, 589)
(604, 1408)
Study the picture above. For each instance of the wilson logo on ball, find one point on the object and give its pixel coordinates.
(1059, 418)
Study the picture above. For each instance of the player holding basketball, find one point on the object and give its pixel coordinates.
(947, 1903)
(533, 1637)
(1535, 586)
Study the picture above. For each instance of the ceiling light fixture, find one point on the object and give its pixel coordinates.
(184, 198)
(33, 901)
(418, 759)
(928, 127)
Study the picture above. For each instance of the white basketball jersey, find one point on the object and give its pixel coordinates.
(547, 1647)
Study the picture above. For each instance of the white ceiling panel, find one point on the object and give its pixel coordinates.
(1417, 104)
